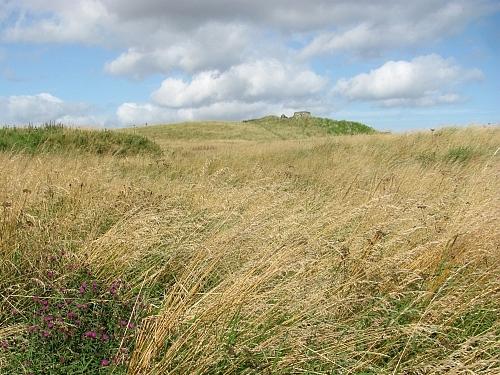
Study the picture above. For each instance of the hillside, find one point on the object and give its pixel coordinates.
(55, 138)
(266, 128)
(238, 252)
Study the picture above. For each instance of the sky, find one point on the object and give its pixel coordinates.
(395, 65)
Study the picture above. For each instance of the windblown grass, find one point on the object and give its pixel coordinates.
(374, 254)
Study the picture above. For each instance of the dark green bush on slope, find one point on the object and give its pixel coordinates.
(57, 138)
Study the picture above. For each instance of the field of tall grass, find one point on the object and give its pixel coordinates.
(356, 254)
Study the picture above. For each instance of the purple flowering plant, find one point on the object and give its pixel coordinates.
(77, 321)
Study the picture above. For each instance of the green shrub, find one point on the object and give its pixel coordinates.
(57, 138)
(459, 154)
(75, 324)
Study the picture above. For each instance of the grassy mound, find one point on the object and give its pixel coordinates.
(264, 129)
(57, 138)
(311, 125)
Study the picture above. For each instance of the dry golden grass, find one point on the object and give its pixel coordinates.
(355, 254)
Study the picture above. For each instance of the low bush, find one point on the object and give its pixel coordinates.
(57, 138)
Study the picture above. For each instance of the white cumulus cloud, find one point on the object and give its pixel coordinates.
(382, 27)
(158, 36)
(140, 113)
(211, 46)
(262, 80)
(424, 81)
(245, 90)
(43, 107)
(58, 21)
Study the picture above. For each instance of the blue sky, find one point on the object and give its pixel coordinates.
(392, 65)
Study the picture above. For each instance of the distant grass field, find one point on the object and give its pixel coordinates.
(57, 138)
(236, 251)
(264, 129)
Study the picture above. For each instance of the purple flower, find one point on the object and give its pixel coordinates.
(50, 274)
(43, 302)
(50, 325)
(4, 344)
(71, 315)
(46, 334)
(83, 287)
(90, 334)
(104, 337)
(105, 362)
(113, 289)
(48, 318)
(32, 329)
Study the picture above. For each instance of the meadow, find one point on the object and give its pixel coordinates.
(253, 248)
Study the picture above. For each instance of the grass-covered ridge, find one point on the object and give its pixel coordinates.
(314, 125)
(57, 138)
(264, 129)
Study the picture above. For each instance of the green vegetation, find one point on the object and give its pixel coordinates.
(57, 138)
(460, 154)
(310, 126)
(233, 253)
(75, 323)
(264, 129)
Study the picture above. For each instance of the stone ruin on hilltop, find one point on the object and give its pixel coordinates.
(300, 114)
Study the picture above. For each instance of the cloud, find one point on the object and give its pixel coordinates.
(246, 90)
(40, 108)
(140, 113)
(228, 44)
(57, 21)
(399, 25)
(137, 113)
(160, 36)
(261, 80)
(423, 81)
(240, 58)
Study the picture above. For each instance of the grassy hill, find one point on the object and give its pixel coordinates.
(237, 251)
(264, 129)
(55, 138)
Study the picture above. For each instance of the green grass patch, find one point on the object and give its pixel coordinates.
(264, 129)
(459, 154)
(312, 126)
(55, 138)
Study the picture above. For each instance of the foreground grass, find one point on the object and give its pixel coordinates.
(358, 254)
(54, 138)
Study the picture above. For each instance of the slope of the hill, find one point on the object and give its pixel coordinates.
(56, 138)
(266, 128)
